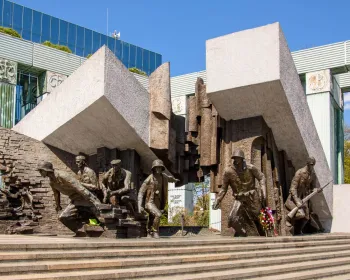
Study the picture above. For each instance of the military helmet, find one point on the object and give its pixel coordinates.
(116, 162)
(158, 163)
(45, 165)
(80, 157)
(238, 153)
(311, 161)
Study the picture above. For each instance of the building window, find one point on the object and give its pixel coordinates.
(96, 41)
(7, 14)
(126, 53)
(152, 61)
(46, 28)
(118, 49)
(139, 58)
(72, 34)
(27, 23)
(111, 43)
(63, 32)
(18, 18)
(132, 60)
(145, 61)
(55, 30)
(88, 42)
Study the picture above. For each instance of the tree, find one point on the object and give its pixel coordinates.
(346, 132)
(347, 162)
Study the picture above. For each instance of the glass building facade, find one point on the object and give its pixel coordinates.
(39, 27)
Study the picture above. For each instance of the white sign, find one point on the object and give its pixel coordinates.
(179, 105)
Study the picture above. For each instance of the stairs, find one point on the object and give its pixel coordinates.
(324, 256)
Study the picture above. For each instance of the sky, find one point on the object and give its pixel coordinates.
(178, 29)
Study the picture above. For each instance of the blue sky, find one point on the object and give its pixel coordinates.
(178, 29)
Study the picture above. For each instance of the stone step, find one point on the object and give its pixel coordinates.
(337, 272)
(33, 243)
(180, 271)
(249, 250)
(238, 261)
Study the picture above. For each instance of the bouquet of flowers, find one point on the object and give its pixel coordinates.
(267, 220)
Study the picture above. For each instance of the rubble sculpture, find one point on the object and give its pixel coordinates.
(116, 186)
(82, 201)
(302, 188)
(248, 198)
(87, 176)
(153, 196)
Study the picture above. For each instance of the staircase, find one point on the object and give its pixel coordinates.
(305, 257)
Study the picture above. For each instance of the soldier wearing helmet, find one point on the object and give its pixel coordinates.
(302, 185)
(86, 176)
(153, 196)
(116, 186)
(82, 200)
(249, 199)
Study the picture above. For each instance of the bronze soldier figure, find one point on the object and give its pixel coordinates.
(116, 186)
(154, 191)
(82, 200)
(248, 198)
(302, 185)
(87, 177)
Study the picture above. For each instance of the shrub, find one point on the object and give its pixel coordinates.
(137, 71)
(10, 31)
(58, 47)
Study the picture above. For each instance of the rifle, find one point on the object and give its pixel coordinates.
(292, 213)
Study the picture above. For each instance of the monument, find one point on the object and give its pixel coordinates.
(127, 142)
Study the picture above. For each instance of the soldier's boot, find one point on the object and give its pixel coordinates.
(155, 235)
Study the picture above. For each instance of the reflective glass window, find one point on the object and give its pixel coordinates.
(103, 40)
(132, 57)
(46, 26)
(1, 7)
(79, 51)
(80, 37)
(27, 19)
(88, 42)
(118, 49)
(55, 30)
(111, 43)
(152, 61)
(17, 17)
(145, 61)
(139, 58)
(125, 59)
(158, 60)
(36, 28)
(72, 33)
(7, 14)
(96, 41)
(63, 32)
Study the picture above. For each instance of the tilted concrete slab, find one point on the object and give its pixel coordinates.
(252, 73)
(100, 104)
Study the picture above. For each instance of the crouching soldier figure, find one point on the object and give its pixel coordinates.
(82, 200)
(116, 187)
(153, 196)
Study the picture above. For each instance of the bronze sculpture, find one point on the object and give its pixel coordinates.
(303, 184)
(87, 176)
(116, 186)
(82, 201)
(153, 196)
(248, 199)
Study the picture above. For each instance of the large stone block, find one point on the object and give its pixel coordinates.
(100, 105)
(252, 73)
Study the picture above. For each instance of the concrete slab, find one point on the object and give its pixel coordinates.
(341, 210)
(100, 104)
(252, 73)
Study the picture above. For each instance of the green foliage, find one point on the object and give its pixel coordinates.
(137, 71)
(89, 55)
(58, 47)
(10, 31)
(164, 218)
(347, 162)
(202, 218)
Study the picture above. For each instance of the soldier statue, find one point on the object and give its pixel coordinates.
(87, 177)
(302, 185)
(82, 201)
(153, 196)
(248, 199)
(116, 187)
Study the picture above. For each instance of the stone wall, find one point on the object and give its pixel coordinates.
(25, 153)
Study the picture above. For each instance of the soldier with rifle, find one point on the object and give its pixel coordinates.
(301, 190)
